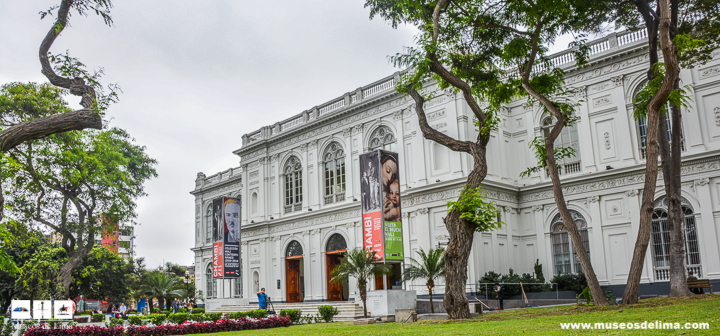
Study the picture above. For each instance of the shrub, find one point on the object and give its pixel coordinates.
(511, 290)
(213, 317)
(43, 329)
(197, 317)
(7, 329)
(327, 312)
(259, 313)
(575, 282)
(114, 322)
(166, 312)
(293, 314)
(157, 319)
(56, 322)
(198, 310)
(178, 318)
(236, 315)
(98, 317)
(135, 320)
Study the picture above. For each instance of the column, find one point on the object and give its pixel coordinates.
(245, 265)
(544, 252)
(587, 150)
(597, 247)
(706, 230)
(350, 168)
(308, 277)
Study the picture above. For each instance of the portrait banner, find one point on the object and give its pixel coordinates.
(391, 212)
(217, 219)
(231, 239)
(217, 265)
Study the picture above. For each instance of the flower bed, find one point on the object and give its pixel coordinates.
(165, 329)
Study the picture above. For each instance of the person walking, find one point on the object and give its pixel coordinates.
(123, 311)
(500, 295)
(190, 305)
(176, 306)
(262, 299)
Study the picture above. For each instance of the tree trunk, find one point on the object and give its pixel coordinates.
(65, 273)
(672, 70)
(362, 284)
(432, 307)
(595, 290)
(457, 252)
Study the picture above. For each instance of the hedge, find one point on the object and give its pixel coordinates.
(167, 329)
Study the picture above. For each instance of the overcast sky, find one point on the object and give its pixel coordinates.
(197, 75)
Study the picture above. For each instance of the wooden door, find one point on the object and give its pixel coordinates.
(379, 285)
(334, 290)
(292, 279)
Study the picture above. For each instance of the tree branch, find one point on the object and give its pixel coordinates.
(42, 127)
(455, 81)
(433, 134)
(436, 19)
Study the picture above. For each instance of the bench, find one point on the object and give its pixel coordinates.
(701, 283)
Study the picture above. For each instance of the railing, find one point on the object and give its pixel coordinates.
(291, 123)
(477, 289)
(223, 175)
(663, 273)
(379, 88)
(330, 199)
(255, 136)
(569, 168)
(288, 209)
(353, 98)
(599, 47)
(332, 107)
(632, 37)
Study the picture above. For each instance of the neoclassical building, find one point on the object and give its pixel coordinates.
(299, 183)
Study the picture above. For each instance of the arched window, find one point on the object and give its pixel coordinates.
(336, 243)
(562, 244)
(334, 161)
(661, 240)
(642, 127)
(293, 185)
(568, 138)
(208, 224)
(294, 249)
(210, 284)
(254, 204)
(383, 138)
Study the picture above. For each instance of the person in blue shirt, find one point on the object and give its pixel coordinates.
(500, 295)
(262, 299)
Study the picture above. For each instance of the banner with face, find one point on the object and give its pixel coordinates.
(392, 215)
(231, 239)
(371, 203)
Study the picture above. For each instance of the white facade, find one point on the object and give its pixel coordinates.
(603, 185)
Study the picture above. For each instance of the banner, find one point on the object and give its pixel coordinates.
(20, 310)
(231, 253)
(217, 263)
(64, 309)
(381, 213)
(392, 215)
(42, 309)
(217, 219)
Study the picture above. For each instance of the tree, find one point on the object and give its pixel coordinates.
(457, 56)
(361, 265)
(431, 267)
(161, 285)
(25, 243)
(694, 31)
(72, 78)
(102, 275)
(75, 183)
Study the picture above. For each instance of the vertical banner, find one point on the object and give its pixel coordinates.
(371, 203)
(218, 229)
(231, 239)
(392, 216)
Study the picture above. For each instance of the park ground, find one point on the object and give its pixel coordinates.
(536, 321)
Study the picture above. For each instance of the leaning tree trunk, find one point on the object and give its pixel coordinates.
(65, 274)
(672, 70)
(362, 284)
(595, 290)
(458, 249)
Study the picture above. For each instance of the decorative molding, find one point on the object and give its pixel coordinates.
(702, 182)
(436, 115)
(600, 70)
(254, 174)
(451, 193)
(347, 132)
(632, 193)
(710, 72)
(593, 199)
(306, 233)
(607, 140)
(286, 227)
(537, 208)
(617, 80)
(440, 125)
(599, 87)
(422, 211)
(605, 100)
(716, 111)
(314, 231)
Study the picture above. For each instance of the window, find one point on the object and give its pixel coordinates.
(642, 127)
(209, 282)
(562, 244)
(294, 249)
(568, 138)
(208, 224)
(661, 240)
(382, 138)
(336, 243)
(238, 287)
(334, 161)
(293, 185)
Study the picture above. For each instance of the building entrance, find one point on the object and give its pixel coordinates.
(294, 272)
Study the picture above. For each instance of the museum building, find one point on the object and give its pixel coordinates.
(299, 183)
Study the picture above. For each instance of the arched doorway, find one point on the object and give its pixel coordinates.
(334, 251)
(294, 272)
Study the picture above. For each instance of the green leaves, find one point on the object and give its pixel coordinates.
(538, 146)
(431, 266)
(359, 264)
(71, 67)
(473, 208)
(680, 97)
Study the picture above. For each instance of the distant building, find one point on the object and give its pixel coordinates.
(118, 240)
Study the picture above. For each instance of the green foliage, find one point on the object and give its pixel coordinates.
(136, 320)
(102, 274)
(197, 317)
(114, 322)
(98, 317)
(538, 146)
(213, 316)
(21, 102)
(310, 319)
(327, 312)
(473, 208)
(198, 310)
(178, 318)
(71, 67)
(6, 329)
(510, 290)
(680, 97)
(7, 264)
(157, 319)
(431, 266)
(359, 264)
(571, 281)
(538, 271)
(294, 314)
(258, 313)
(56, 322)
(25, 243)
(161, 285)
(612, 300)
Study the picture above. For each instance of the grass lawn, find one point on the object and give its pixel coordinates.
(533, 321)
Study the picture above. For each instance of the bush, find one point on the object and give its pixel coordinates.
(197, 317)
(574, 282)
(327, 312)
(198, 310)
(43, 329)
(511, 290)
(157, 319)
(114, 322)
(135, 320)
(293, 314)
(7, 329)
(236, 315)
(257, 314)
(213, 317)
(178, 318)
(166, 312)
(98, 317)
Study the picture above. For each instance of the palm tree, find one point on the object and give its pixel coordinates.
(362, 265)
(431, 268)
(161, 285)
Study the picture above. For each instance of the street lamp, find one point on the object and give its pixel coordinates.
(187, 283)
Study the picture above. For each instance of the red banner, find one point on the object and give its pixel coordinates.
(218, 260)
(373, 233)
